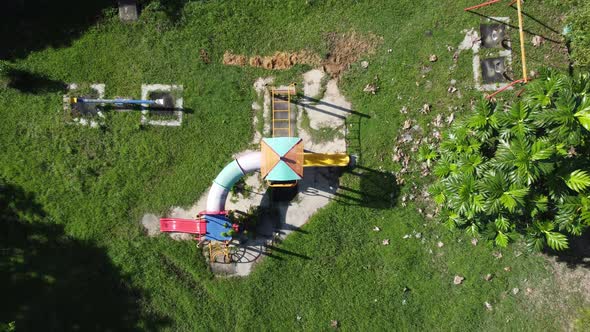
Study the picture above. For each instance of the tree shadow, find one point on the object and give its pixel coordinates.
(32, 83)
(578, 254)
(377, 189)
(33, 25)
(52, 282)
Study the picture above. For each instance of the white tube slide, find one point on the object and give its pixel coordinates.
(226, 179)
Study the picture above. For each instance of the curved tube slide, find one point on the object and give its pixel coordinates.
(233, 172)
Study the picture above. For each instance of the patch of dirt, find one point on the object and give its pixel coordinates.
(234, 59)
(278, 61)
(347, 48)
(344, 49)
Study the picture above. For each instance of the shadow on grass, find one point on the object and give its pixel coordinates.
(578, 254)
(32, 83)
(377, 189)
(33, 25)
(52, 282)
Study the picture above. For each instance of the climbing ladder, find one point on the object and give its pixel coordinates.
(219, 252)
(281, 112)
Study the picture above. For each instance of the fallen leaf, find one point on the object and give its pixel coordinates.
(488, 306)
(458, 280)
(515, 291)
(440, 244)
(432, 58)
(488, 277)
(385, 242)
(334, 323)
(474, 241)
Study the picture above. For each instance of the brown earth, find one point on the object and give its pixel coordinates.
(347, 48)
(344, 49)
(278, 61)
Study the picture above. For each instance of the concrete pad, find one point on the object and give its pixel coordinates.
(175, 91)
(88, 114)
(128, 10)
(473, 42)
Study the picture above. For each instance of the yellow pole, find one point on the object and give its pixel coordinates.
(521, 32)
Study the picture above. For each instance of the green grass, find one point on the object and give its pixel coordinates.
(90, 187)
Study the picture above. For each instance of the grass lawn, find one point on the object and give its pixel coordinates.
(74, 255)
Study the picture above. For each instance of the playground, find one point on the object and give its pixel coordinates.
(257, 165)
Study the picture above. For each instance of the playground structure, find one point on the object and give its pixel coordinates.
(281, 162)
(158, 102)
(500, 69)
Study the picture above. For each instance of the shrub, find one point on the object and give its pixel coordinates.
(520, 168)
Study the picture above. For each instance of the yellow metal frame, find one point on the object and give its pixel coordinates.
(218, 249)
(282, 185)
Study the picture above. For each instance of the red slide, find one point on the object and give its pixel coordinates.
(192, 226)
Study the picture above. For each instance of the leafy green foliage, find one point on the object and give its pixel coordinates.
(578, 180)
(511, 169)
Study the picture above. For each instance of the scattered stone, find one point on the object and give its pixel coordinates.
(407, 124)
(404, 110)
(515, 290)
(497, 254)
(389, 50)
(452, 89)
(488, 306)
(334, 323)
(440, 244)
(458, 280)
(433, 58)
(456, 56)
(538, 41)
(425, 109)
(376, 229)
(385, 242)
(371, 88)
(507, 269)
(407, 236)
(418, 235)
(365, 64)
(298, 318)
(450, 118)
(204, 56)
(474, 241)
(488, 277)
(529, 290)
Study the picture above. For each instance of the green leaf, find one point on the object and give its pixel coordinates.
(472, 230)
(583, 113)
(501, 239)
(578, 180)
(502, 224)
(556, 241)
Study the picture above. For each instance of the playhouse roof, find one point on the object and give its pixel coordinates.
(282, 158)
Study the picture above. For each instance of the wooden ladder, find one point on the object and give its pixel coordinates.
(281, 112)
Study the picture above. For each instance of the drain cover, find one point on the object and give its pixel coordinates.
(493, 69)
(492, 35)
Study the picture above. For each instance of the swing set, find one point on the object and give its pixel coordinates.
(524, 79)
